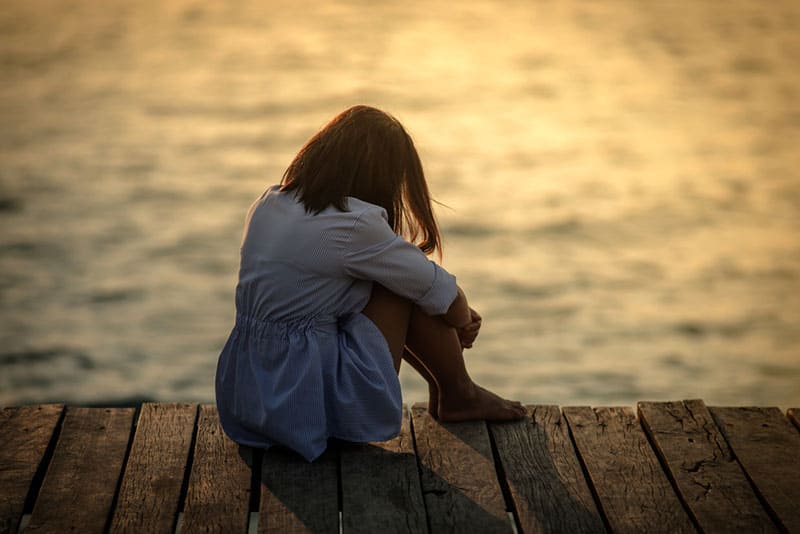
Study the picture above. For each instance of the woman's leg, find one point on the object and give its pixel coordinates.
(433, 389)
(391, 314)
(437, 347)
(435, 352)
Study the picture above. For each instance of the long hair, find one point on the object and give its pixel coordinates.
(367, 154)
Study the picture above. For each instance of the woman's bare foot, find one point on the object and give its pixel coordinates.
(433, 400)
(477, 404)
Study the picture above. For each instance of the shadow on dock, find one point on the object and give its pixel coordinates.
(670, 467)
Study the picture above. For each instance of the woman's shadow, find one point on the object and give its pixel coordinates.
(413, 485)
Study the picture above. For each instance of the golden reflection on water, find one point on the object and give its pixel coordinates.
(622, 177)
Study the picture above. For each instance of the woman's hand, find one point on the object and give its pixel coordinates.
(468, 333)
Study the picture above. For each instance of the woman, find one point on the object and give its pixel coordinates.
(335, 290)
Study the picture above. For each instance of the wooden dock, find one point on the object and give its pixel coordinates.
(666, 467)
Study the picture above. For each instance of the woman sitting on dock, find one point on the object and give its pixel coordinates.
(335, 289)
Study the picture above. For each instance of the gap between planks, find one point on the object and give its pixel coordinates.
(511, 503)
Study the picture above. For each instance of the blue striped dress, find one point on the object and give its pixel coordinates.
(302, 363)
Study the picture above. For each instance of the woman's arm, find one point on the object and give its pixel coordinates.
(464, 319)
(372, 251)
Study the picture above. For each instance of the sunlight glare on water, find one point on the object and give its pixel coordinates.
(620, 181)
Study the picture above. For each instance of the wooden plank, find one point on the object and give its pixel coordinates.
(149, 496)
(543, 473)
(218, 497)
(298, 496)
(633, 490)
(25, 433)
(767, 447)
(713, 485)
(794, 416)
(459, 480)
(79, 487)
(380, 485)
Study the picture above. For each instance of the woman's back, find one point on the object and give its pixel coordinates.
(291, 261)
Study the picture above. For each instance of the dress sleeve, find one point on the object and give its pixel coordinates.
(374, 252)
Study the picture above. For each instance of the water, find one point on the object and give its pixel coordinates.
(621, 179)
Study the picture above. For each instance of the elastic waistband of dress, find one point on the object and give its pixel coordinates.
(324, 323)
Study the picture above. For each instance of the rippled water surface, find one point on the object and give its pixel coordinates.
(621, 182)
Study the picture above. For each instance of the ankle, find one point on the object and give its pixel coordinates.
(458, 389)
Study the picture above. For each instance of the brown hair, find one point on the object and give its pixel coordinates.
(366, 153)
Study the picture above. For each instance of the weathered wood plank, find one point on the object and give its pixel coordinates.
(298, 496)
(712, 483)
(218, 497)
(633, 490)
(544, 475)
(381, 490)
(149, 496)
(25, 433)
(794, 416)
(79, 487)
(459, 480)
(767, 447)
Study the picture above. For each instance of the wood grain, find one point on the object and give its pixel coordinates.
(767, 446)
(794, 416)
(81, 481)
(218, 497)
(149, 496)
(381, 489)
(459, 480)
(25, 433)
(544, 476)
(734, 469)
(712, 483)
(633, 490)
(298, 496)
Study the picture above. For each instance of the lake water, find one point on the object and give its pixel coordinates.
(622, 182)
